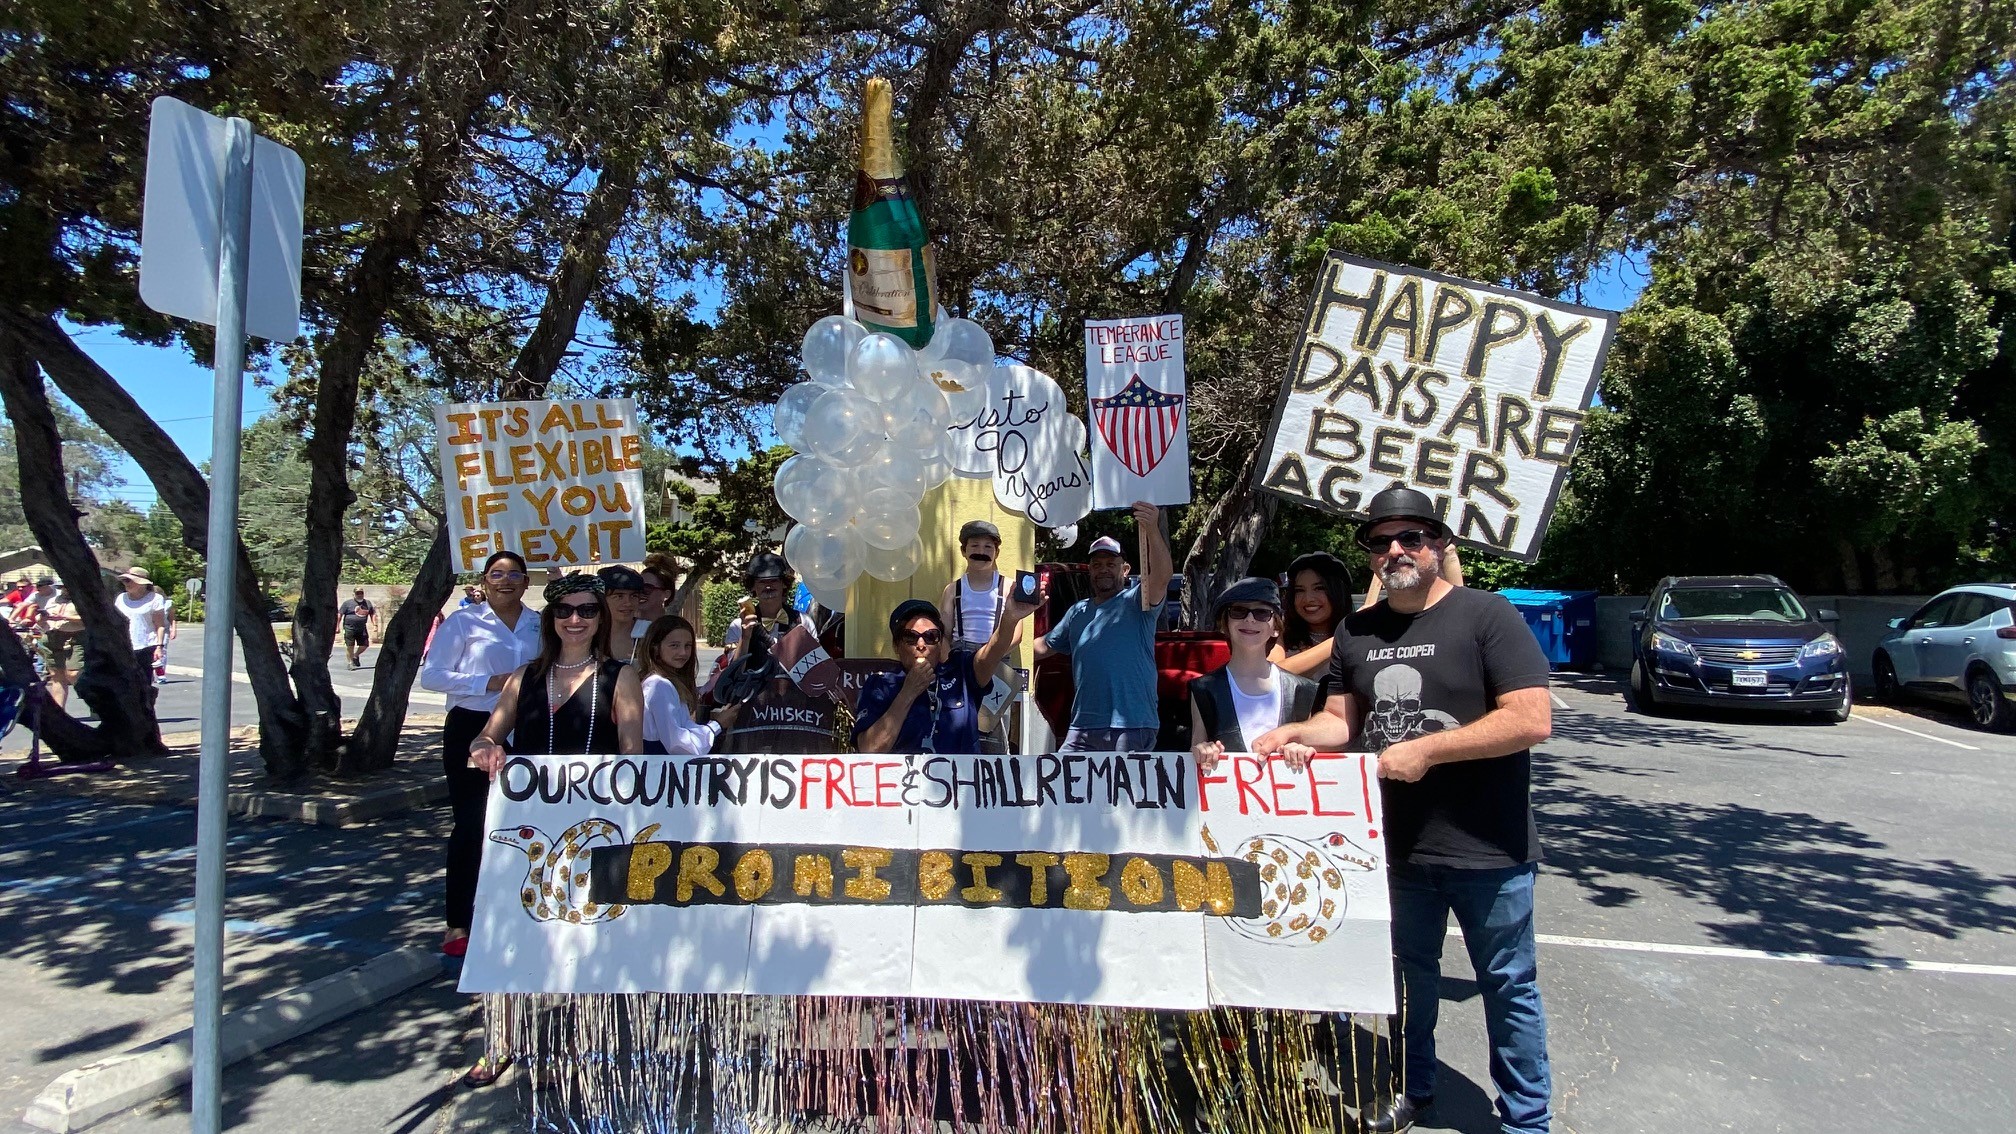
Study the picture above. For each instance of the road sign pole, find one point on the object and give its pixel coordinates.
(221, 575)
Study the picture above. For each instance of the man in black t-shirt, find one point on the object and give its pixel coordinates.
(1449, 687)
(359, 619)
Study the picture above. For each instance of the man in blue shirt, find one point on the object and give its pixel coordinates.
(933, 704)
(1111, 640)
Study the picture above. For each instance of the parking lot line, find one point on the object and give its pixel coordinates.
(1558, 702)
(1897, 964)
(1913, 732)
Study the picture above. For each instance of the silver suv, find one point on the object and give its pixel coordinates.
(1959, 647)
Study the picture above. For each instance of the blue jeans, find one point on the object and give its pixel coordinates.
(1495, 910)
(1109, 740)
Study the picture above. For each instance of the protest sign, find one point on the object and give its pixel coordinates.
(560, 483)
(1140, 411)
(1125, 879)
(1471, 393)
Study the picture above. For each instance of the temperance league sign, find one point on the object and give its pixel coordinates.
(1471, 393)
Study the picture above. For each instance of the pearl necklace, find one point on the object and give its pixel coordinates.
(553, 710)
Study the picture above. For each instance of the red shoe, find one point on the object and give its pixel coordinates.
(455, 946)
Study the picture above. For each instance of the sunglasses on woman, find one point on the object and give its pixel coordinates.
(1413, 539)
(912, 637)
(567, 610)
(506, 576)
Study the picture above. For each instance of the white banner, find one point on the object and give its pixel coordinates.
(1117, 879)
(1471, 393)
(1139, 408)
(560, 483)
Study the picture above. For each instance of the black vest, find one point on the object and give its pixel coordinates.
(1212, 693)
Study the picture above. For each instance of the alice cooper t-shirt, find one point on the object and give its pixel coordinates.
(1415, 674)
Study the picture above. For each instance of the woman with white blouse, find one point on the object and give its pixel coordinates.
(670, 696)
(474, 651)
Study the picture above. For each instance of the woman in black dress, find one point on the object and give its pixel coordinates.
(572, 698)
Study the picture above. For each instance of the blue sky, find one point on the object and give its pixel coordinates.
(176, 390)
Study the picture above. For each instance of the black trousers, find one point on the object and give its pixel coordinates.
(468, 793)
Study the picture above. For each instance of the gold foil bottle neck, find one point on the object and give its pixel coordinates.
(878, 132)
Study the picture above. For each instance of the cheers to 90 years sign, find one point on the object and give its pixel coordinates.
(1118, 879)
(1471, 393)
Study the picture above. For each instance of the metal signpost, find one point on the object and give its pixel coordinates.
(201, 190)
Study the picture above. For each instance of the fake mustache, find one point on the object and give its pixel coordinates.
(981, 557)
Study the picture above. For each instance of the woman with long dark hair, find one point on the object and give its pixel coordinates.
(671, 696)
(473, 653)
(1319, 596)
(573, 697)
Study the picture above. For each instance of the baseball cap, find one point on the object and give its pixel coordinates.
(1105, 545)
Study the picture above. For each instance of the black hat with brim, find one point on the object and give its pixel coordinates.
(1400, 503)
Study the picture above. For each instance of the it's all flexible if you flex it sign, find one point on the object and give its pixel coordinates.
(1473, 394)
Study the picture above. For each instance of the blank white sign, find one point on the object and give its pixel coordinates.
(182, 221)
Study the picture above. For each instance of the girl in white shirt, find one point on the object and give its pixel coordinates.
(671, 697)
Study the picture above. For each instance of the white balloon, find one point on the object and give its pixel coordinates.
(842, 428)
(815, 493)
(826, 347)
(787, 420)
(888, 518)
(1074, 432)
(1065, 536)
(834, 598)
(829, 558)
(906, 472)
(961, 339)
(898, 565)
(964, 386)
(881, 365)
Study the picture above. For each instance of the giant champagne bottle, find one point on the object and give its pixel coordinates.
(891, 267)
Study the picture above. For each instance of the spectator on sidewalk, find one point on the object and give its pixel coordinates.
(27, 612)
(146, 623)
(1111, 640)
(161, 655)
(475, 650)
(360, 619)
(62, 643)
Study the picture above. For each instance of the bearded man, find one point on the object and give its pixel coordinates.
(1449, 687)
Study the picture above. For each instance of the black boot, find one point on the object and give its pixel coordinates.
(1398, 1116)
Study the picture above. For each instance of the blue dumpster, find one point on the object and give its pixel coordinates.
(1564, 622)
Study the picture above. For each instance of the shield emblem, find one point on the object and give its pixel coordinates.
(1138, 423)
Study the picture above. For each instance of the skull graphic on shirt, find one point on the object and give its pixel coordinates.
(1396, 713)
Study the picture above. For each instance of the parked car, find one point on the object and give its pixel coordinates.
(1960, 647)
(1737, 641)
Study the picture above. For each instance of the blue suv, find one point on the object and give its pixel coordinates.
(1736, 641)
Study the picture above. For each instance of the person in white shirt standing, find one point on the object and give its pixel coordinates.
(146, 623)
(973, 602)
(474, 651)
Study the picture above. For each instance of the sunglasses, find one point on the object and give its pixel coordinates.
(928, 637)
(1256, 613)
(1413, 539)
(569, 610)
(506, 576)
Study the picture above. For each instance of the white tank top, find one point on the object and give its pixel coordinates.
(977, 610)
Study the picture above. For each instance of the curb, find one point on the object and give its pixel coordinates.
(80, 1097)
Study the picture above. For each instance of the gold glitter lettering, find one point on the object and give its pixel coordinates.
(934, 875)
(1039, 864)
(865, 886)
(1086, 892)
(647, 862)
(1141, 882)
(812, 872)
(754, 875)
(1218, 888)
(1195, 889)
(980, 891)
(696, 868)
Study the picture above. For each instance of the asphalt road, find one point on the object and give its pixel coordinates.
(1748, 924)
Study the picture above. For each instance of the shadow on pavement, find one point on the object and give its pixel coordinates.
(1790, 880)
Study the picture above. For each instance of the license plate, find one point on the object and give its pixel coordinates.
(1748, 678)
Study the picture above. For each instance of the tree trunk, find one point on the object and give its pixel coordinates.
(695, 579)
(282, 725)
(1225, 546)
(119, 690)
(374, 743)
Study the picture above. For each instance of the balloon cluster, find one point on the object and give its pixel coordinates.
(869, 425)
